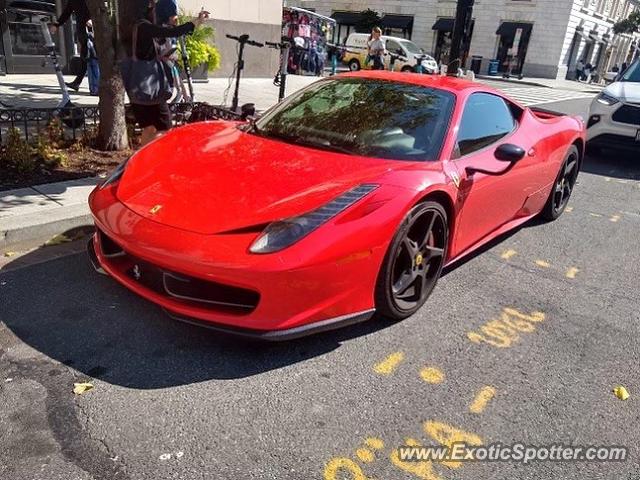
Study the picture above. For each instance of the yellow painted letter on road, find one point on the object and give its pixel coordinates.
(500, 331)
(475, 337)
(341, 468)
(447, 435)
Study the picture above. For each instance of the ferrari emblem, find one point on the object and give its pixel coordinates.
(155, 209)
(419, 260)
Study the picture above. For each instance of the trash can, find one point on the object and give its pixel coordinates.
(493, 67)
(476, 61)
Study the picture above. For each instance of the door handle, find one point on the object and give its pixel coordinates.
(532, 152)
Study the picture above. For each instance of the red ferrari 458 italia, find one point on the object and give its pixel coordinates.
(344, 200)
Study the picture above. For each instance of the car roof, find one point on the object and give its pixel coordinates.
(443, 82)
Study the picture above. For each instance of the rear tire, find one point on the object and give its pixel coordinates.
(354, 65)
(563, 186)
(407, 69)
(413, 262)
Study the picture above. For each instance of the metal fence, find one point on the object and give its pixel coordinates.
(77, 121)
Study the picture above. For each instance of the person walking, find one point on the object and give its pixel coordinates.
(376, 49)
(154, 119)
(167, 16)
(81, 11)
(93, 67)
(579, 70)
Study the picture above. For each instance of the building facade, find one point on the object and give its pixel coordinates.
(539, 38)
(22, 41)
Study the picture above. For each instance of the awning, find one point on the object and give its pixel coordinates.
(443, 24)
(401, 22)
(310, 13)
(346, 18)
(508, 29)
(34, 5)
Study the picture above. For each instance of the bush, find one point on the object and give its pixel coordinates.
(18, 154)
(200, 47)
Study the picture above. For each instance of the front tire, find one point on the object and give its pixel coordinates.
(563, 186)
(354, 65)
(413, 262)
(407, 69)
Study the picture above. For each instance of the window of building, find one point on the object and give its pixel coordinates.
(485, 120)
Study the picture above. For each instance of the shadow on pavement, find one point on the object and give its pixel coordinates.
(614, 164)
(87, 321)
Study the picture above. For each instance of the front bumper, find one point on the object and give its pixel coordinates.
(314, 286)
(604, 131)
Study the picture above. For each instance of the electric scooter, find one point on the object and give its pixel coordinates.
(71, 116)
(280, 79)
(242, 40)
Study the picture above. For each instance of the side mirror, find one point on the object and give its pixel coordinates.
(247, 110)
(508, 152)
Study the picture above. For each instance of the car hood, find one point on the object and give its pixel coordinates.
(212, 177)
(625, 91)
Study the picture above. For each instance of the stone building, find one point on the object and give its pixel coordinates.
(540, 38)
(22, 42)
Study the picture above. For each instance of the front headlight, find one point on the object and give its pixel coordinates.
(284, 233)
(115, 175)
(607, 99)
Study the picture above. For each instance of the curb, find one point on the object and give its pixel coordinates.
(37, 228)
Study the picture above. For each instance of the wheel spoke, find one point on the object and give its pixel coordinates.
(435, 251)
(404, 282)
(569, 167)
(411, 247)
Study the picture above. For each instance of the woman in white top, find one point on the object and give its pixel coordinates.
(376, 49)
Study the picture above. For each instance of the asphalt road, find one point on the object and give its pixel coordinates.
(173, 401)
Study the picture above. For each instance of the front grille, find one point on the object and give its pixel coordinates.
(178, 287)
(627, 114)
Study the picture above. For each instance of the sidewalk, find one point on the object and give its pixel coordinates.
(42, 91)
(36, 214)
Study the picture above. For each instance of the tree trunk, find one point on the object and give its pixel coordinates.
(112, 132)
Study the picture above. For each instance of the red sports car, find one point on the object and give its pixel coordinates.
(344, 200)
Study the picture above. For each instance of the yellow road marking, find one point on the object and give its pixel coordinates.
(375, 443)
(568, 209)
(365, 455)
(507, 254)
(336, 467)
(614, 218)
(543, 263)
(571, 273)
(432, 375)
(597, 215)
(389, 364)
(483, 397)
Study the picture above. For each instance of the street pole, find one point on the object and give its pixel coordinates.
(461, 26)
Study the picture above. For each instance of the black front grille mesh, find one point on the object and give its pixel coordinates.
(179, 287)
(627, 114)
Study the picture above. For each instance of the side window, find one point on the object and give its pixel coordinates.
(394, 47)
(485, 120)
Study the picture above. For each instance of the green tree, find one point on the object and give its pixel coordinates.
(367, 21)
(630, 24)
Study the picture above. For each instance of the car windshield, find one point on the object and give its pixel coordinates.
(632, 74)
(358, 116)
(411, 47)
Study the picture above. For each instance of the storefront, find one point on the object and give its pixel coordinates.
(22, 41)
(512, 46)
(397, 25)
(443, 29)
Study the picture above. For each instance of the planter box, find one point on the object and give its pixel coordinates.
(200, 73)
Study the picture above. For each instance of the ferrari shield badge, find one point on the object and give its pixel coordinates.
(455, 178)
(155, 209)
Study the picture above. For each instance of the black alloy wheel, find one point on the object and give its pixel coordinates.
(563, 186)
(413, 262)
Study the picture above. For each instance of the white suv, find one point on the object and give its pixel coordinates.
(614, 116)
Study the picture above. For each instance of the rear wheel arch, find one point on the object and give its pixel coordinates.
(579, 144)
